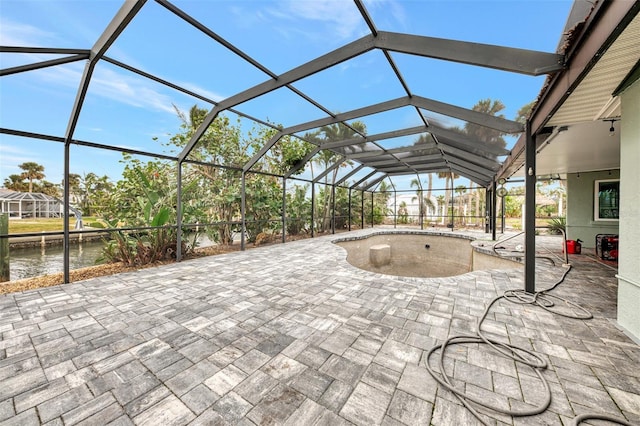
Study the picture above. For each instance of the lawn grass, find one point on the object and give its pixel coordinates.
(516, 222)
(19, 226)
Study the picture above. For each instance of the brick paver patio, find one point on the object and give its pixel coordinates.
(292, 334)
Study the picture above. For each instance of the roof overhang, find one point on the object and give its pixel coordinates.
(573, 114)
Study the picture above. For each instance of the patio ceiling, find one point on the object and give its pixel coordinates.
(441, 148)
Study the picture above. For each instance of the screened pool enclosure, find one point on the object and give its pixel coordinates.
(321, 173)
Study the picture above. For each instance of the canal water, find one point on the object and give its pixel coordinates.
(38, 261)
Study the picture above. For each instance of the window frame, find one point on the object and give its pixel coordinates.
(597, 209)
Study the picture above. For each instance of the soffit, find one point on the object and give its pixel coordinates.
(592, 99)
(581, 140)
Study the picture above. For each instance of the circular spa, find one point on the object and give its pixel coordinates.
(419, 254)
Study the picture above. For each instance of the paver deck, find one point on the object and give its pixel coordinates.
(292, 334)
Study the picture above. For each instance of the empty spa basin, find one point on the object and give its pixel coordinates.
(417, 254)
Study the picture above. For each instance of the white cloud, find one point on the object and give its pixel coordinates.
(317, 20)
(122, 87)
(19, 34)
(341, 17)
(13, 155)
(127, 89)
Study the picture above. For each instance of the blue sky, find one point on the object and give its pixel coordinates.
(126, 110)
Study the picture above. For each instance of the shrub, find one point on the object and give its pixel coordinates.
(557, 225)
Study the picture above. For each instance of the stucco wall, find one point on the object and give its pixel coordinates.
(629, 244)
(580, 195)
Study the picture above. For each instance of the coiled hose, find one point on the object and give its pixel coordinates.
(593, 416)
(521, 355)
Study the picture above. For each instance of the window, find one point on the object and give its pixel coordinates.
(607, 200)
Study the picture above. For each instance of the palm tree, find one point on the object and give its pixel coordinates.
(474, 202)
(441, 202)
(381, 200)
(94, 190)
(15, 183)
(559, 193)
(403, 213)
(325, 158)
(482, 133)
(429, 188)
(86, 190)
(490, 136)
(425, 201)
(424, 146)
(461, 190)
(48, 188)
(32, 171)
(415, 183)
(447, 176)
(524, 112)
(469, 199)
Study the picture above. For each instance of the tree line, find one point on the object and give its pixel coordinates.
(31, 180)
(88, 191)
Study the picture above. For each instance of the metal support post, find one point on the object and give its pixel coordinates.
(179, 213)
(395, 209)
(502, 213)
(452, 200)
(420, 212)
(65, 237)
(313, 208)
(372, 216)
(530, 212)
(362, 213)
(486, 211)
(5, 271)
(243, 211)
(333, 209)
(349, 209)
(494, 208)
(284, 210)
(420, 203)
